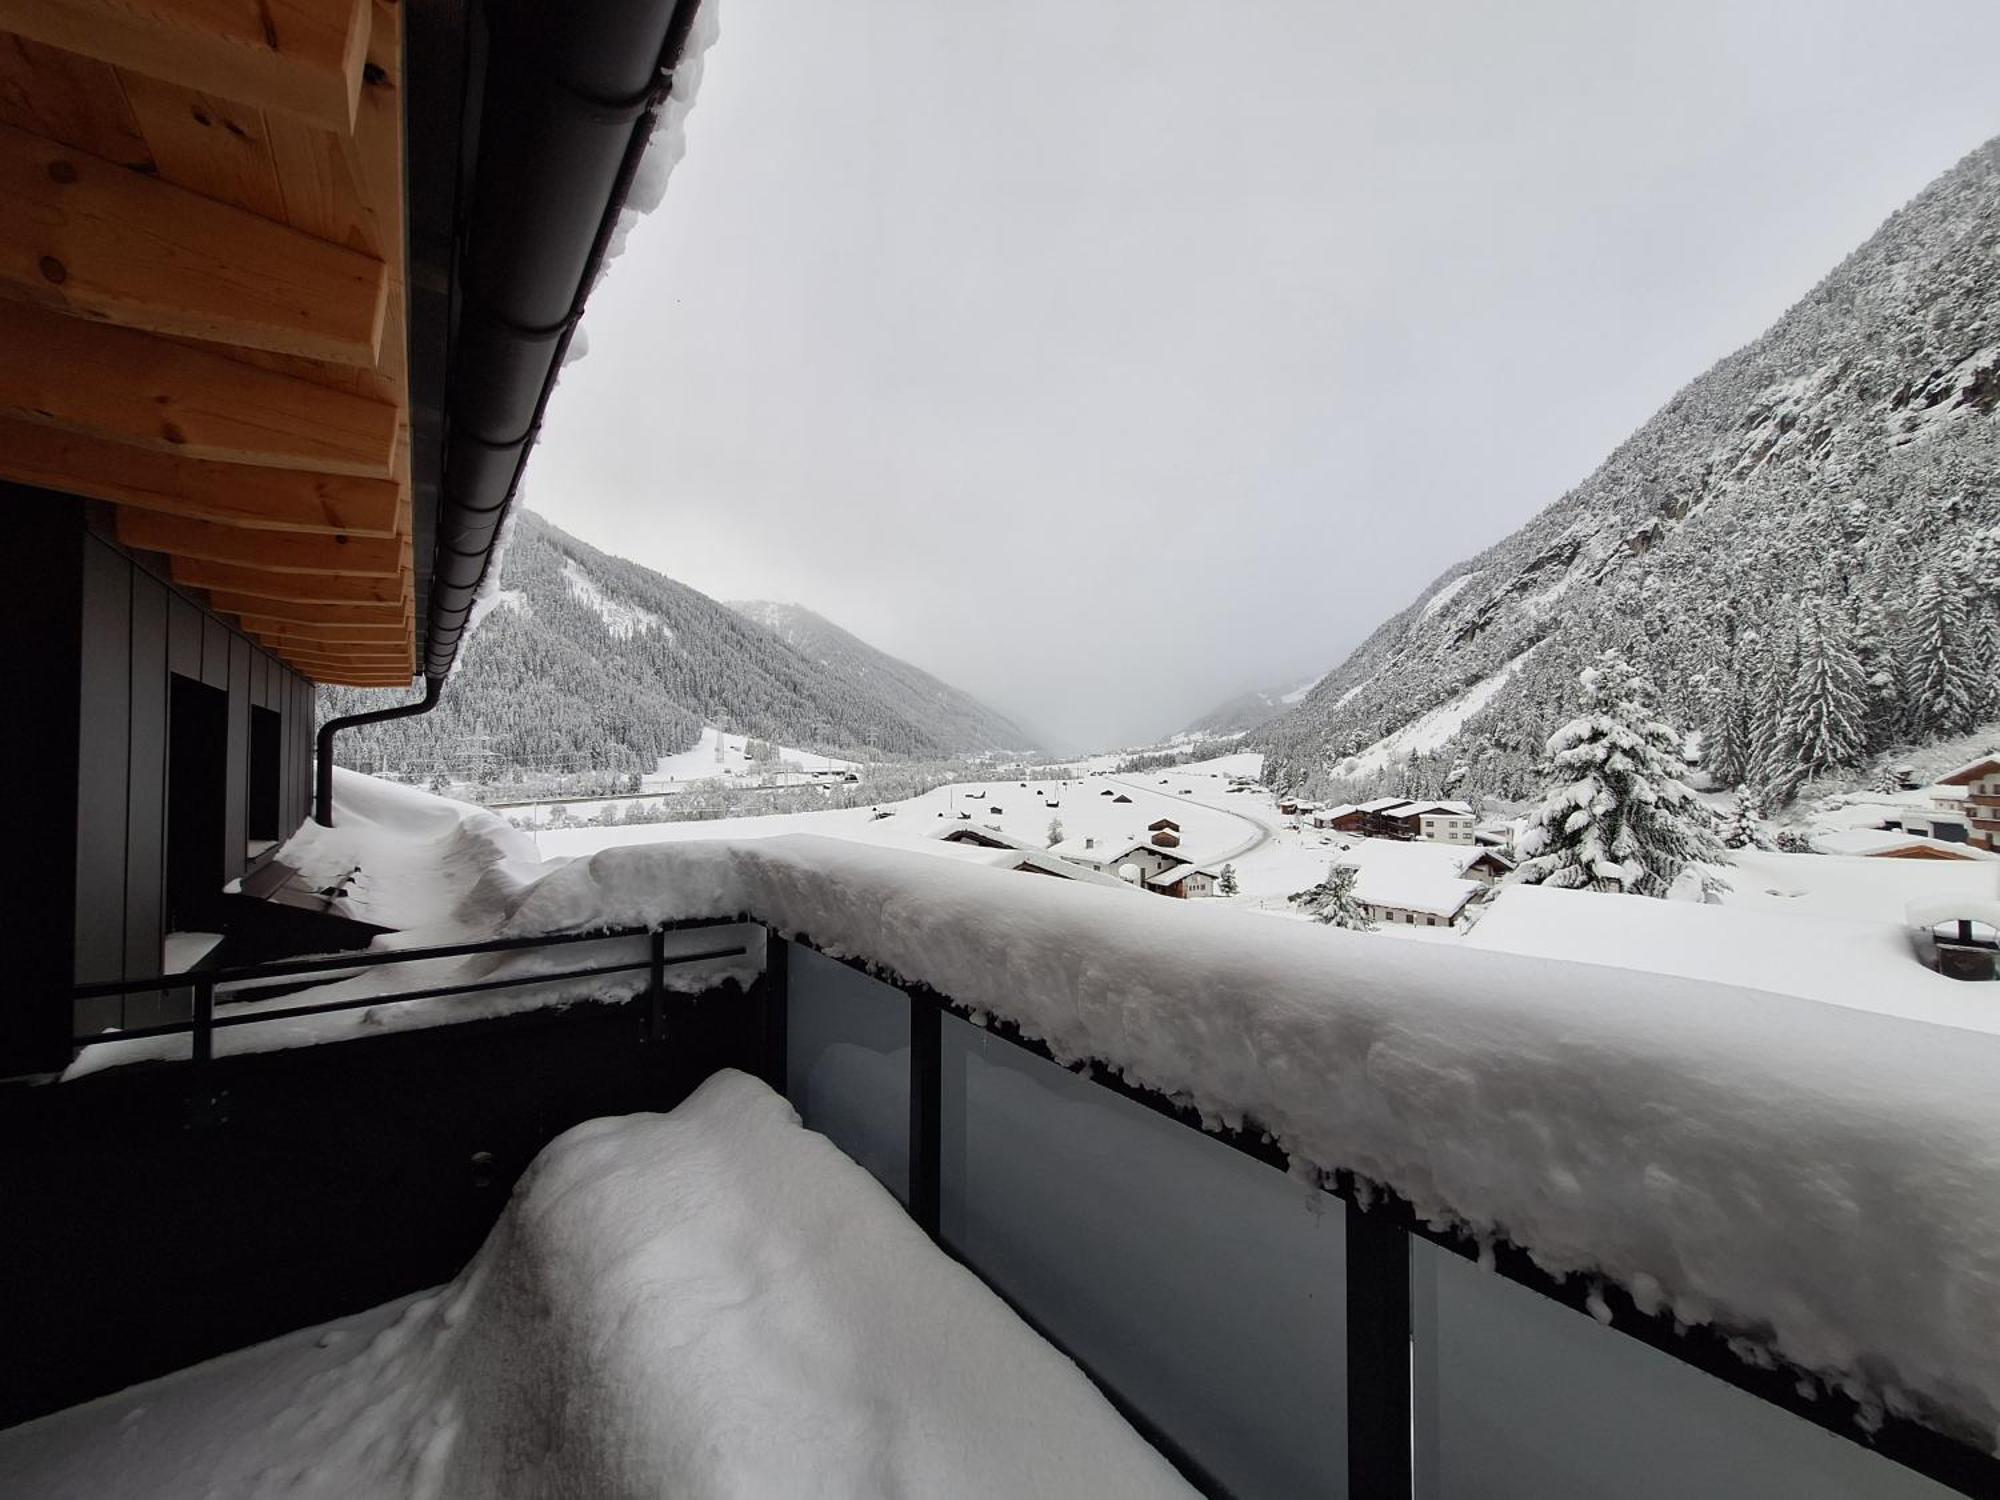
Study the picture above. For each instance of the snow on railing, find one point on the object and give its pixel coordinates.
(1820, 1180)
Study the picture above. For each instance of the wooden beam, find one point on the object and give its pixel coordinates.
(89, 237)
(225, 602)
(215, 147)
(324, 632)
(233, 494)
(336, 554)
(300, 57)
(298, 588)
(69, 98)
(135, 388)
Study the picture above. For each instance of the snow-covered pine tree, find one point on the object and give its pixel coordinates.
(1742, 828)
(1871, 636)
(1826, 714)
(1228, 884)
(1937, 695)
(1055, 832)
(1333, 901)
(1617, 815)
(1775, 765)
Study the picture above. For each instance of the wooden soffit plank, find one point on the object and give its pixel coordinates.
(299, 57)
(233, 494)
(274, 551)
(93, 238)
(307, 636)
(299, 588)
(132, 387)
(226, 602)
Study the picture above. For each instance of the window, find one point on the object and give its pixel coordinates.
(261, 818)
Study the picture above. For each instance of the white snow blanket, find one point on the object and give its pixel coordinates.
(1824, 1175)
(712, 1302)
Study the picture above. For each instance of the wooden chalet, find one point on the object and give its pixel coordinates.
(1980, 802)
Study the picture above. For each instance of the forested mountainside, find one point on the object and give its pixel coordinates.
(1800, 548)
(960, 719)
(588, 662)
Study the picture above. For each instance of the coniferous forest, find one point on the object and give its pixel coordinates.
(1802, 550)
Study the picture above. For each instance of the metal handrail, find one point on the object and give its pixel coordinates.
(204, 1022)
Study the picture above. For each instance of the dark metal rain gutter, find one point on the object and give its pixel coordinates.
(571, 95)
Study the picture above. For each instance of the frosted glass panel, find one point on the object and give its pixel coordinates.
(1204, 1288)
(1520, 1398)
(847, 1063)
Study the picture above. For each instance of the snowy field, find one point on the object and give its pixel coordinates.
(1215, 827)
(712, 1302)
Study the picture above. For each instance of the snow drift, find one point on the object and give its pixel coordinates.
(712, 1302)
(1818, 1179)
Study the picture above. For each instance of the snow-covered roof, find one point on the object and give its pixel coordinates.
(955, 833)
(1425, 878)
(1863, 965)
(1333, 813)
(1973, 770)
(1446, 809)
(1173, 877)
(1881, 841)
(1381, 804)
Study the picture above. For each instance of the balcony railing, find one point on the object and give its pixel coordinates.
(1273, 1333)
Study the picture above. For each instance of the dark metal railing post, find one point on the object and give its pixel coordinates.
(1378, 1354)
(203, 1036)
(656, 985)
(926, 1110)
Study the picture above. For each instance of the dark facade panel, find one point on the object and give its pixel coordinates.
(184, 632)
(237, 782)
(146, 786)
(214, 652)
(103, 761)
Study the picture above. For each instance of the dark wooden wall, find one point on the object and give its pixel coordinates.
(136, 632)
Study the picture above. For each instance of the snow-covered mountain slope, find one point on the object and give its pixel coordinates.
(1798, 489)
(960, 719)
(1251, 710)
(590, 662)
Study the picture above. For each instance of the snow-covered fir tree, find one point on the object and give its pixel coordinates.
(1938, 698)
(1333, 901)
(1228, 884)
(1826, 715)
(1618, 815)
(1743, 828)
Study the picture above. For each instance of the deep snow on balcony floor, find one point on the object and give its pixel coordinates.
(708, 1302)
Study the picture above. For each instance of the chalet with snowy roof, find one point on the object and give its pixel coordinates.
(1975, 793)
(1880, 843)
(1342, 817)
(1436, 822)
(525, 1197)
(1411, 884)
(1184, 882)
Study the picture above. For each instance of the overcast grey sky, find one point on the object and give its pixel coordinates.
(1106, 357)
